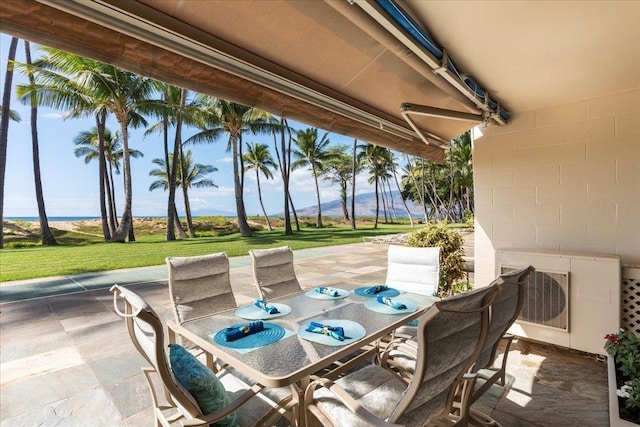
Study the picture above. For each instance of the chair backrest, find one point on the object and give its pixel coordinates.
(273, 272)
(450, 337)
(147, 334)
(199, 285)
(415, 270)
(504, 310)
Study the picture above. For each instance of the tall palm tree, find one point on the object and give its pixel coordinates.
(339, 170)
(374, 158)
(84, 86)
(4, 126)
(259, 159)
(354, 168)
(47, 235)
(194, 176)
(177, 109)
(284, 161)
(88, 146)
(224, 117)
(312, 152)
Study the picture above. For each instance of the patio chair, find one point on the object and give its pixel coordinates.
(253, 405)
(450, 336)
(273, 272)
(504, 310)
(199, 286)
(415, 270)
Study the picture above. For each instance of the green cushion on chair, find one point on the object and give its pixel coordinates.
(201, 382)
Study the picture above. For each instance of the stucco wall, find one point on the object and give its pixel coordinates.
(562, 178)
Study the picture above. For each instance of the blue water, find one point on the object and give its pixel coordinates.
(51, 218)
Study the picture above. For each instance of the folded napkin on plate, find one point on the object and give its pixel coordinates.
(336, 332)
(236, 332)
(391, 303)
(271, 309)
(327, 291)
(376, 289)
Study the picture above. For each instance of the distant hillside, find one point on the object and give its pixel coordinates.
(365, 206)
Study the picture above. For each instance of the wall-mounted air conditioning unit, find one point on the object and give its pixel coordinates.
(572, 299)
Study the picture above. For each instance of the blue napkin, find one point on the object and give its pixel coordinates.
(376, 289)
(327, 291)
(266, 307)
(336, 332)
(388, 301)
(236, 332)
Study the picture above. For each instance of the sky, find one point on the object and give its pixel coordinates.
(71, 187)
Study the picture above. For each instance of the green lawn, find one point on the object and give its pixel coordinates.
(82, 254)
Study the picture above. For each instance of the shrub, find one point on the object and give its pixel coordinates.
(451, 254)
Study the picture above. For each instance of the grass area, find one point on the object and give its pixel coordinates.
(82, 252)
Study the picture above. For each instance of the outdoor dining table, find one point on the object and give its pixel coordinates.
(292, 359)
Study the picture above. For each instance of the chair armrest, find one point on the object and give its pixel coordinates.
(236, 404)
(346, 399)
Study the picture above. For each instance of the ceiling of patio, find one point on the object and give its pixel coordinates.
(329, 64)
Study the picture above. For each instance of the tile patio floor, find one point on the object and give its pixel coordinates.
(66, 360)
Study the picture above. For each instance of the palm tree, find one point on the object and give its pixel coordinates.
(354, 168)
(88, 146)
(284, 161)
(177, 109)
(313, 153)
(224, 117)
(339, 170)
(259, 159)
(84, 86)
(374, 158)
(47, 235)
(4, 127)
(194, 176)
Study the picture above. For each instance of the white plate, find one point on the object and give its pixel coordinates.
(353, 330)
(342, 293)
(252, 312)
(379, 307)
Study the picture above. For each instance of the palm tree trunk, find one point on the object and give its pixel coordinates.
(404, 202)
(126, 224)
(243, 225)
(4, 128)
(284, 172)
(47, 236)
(177, 225)
(102, 172)
(266, 217)
(295, 214)
(111, 193)
(315, 178)
(171, 206)
(375, 224)
(353, 186)
(384, 204)
(343, 200)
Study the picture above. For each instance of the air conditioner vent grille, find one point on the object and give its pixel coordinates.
(546, 299)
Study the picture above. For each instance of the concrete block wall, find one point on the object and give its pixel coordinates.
(563, 178)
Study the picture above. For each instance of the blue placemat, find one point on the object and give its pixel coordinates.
(379, 307)
(342, 293)
(270, 334)
(388, 293)
(253, 312)
(353, 330)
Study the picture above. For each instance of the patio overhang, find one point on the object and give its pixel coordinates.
(351, 66)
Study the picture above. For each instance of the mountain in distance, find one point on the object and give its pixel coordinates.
(365, 206)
